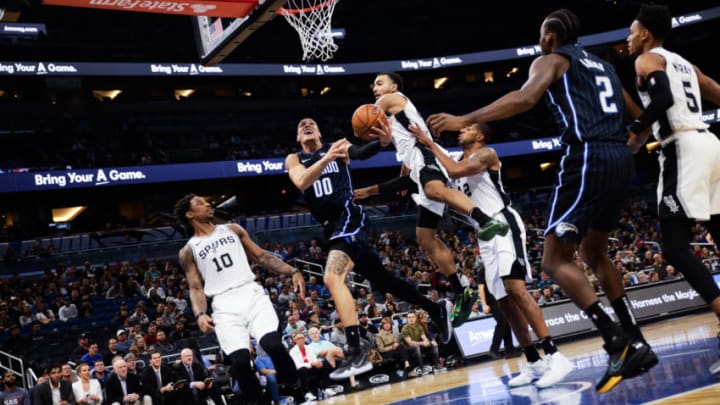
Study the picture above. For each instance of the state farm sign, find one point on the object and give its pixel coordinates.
(225, 8)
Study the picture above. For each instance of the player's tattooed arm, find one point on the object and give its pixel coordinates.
(197, 295)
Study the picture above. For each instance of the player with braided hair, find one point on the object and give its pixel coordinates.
(588, 101)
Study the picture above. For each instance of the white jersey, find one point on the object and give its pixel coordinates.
(484, 189)
(221, 260)
(686, 112)
(403, 140)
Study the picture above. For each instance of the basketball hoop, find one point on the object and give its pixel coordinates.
(311, 20)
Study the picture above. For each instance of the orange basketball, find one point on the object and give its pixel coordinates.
(364, 118)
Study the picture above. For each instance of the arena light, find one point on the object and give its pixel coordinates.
(183, 93)
(247, 93)
(489, 77)
(440, 82)
(513, 71)
(67, 214)
(325, 90)
(103, 95)
(546, 165)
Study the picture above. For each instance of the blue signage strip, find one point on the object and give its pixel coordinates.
(21, 180)
(29, 68)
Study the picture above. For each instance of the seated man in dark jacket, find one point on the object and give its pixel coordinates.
(158, 380)
(199, 386)
(43, 393)
(123, 388)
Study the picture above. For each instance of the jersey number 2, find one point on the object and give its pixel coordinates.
(606, 94)
(225, 260)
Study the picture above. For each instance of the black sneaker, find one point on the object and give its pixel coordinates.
(463, 306)
(359, 364)
(444, 324)
(624, 363)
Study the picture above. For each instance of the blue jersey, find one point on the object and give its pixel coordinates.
(330, 198)
(588, 101)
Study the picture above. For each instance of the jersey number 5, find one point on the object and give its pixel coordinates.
(225, 260)
(692, 103)
(606, 94)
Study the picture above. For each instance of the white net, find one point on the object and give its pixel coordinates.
(311, 20)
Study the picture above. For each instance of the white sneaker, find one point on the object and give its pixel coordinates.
(309, 398)
(558, 367)
(530, 373)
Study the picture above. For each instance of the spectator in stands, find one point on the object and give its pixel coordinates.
(86, 309)
(311, 371)
(123, 340)
(642, 277)
(294, 325)
(131, 363)
(414, 337)
(547, 296)
(199, 387)
(162, 344)
(15, 343)
(99, 373)
(44, 314)
(654, 276)
(123, 387)
(179, 332)
(670, 273)
(83, 346)
(440, 283)
(323, 349)
(151, 335)
(11, 393)
(139, 348)
(92, 355)
(139, 314)
(68, 374)
(266, 369)
(366, 328)
(43, 392)
(286, 295)
(36, 334)
(157, 380)
(112, 349)
(68, 310)
(390, 310)
(592, 278)
(475, 311)
(627, 280)
(122, 314)
(87, 390)
(314, 249)
(536, 294)
(158, 289)
(26, 318)
(372, 303)
(362, 295)
(434, 295)
(391, 349)
(337, 337)
(169, 315)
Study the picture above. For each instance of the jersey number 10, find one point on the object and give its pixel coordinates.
(225, 260)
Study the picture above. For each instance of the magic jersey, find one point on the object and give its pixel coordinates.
(686, 112)
(221, 260)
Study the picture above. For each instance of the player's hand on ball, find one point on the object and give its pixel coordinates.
(382, 132)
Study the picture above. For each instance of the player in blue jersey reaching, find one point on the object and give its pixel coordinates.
(588, 102)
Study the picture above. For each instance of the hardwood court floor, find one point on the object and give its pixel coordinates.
(686, 347)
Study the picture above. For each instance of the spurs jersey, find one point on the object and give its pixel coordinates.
(221, 260)
(484, 189)
(686, 112)
(402, 138)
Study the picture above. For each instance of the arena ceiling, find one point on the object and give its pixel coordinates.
(375, 30)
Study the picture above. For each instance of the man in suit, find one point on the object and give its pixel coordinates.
(158, 380)
(196, 375)
(54, 391)
(123, 388)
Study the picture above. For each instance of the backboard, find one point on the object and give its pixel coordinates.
(217, 37)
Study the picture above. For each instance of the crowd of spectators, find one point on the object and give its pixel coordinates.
(153, 313)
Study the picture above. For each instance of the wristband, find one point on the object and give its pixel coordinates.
(199, 315)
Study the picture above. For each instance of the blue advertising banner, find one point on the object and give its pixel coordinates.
(61, 68)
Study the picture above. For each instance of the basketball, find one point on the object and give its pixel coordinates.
(364, 118)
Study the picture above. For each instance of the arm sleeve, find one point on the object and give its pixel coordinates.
(397, 184)
(366, 151)
(661, 99)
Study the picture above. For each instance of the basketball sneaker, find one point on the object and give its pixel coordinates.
(463, 306)
(445, 322)
(625, 362)
(492, 228)
(530, 373)
(359, 364)
(558, 367)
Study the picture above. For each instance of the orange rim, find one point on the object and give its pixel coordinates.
(294, 11)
